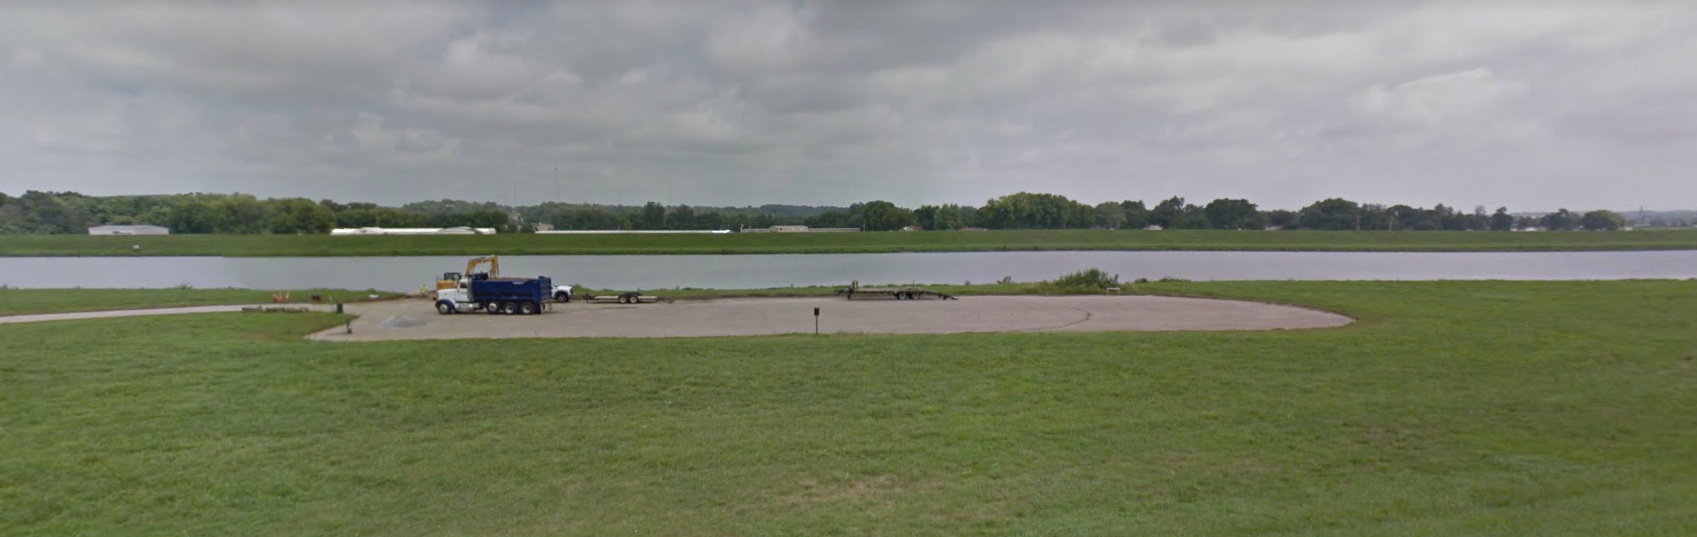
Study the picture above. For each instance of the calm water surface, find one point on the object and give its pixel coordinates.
(756, 271)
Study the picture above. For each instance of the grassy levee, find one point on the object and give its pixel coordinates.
(34, 301)
(1453, 408)
(818, 243)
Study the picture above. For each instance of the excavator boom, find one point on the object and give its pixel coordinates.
(494, 262)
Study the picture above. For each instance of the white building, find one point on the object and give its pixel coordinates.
(413, 231)
(800, 229)
(632, 231)
(129, 230)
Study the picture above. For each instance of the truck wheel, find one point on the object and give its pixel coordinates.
(527, 308)
(493, 307)
(562, 297)
(444, 308)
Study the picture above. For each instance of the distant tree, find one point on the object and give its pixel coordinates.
(1331, 214)
(193, 217)
(1110, 215)
(1282, 218)
(1025, 210)
(297, 215)
(1501, 220)
(1136, 215)
(1562, 219)
(942, 217)
(965, 215)
(885, 216)
(681, 217)
(653, 216)
(241, 213)
(1602, 221)
(832, 218)
(926, 216)
(1168, 213)
(1232, 214)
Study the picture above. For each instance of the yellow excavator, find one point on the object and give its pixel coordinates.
(451, 280)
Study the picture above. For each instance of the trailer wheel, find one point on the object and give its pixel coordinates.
(444, 307)
(527, 308)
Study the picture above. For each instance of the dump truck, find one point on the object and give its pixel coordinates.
(481, 292)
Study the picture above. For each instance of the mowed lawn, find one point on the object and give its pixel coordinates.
(827, 243)
(1454, 408)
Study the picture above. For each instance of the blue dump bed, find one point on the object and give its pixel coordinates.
(538, 289)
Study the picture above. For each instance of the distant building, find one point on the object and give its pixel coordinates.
(129, 230)
(544, 226)
(1152, 227)
(634, 232)
(462, 230)
(800, 229)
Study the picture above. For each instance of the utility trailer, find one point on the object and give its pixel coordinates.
(480, 292)
(628, 297)
(899, 293)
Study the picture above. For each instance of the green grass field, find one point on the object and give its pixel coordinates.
(33, 301)
(1453, 408)
(819, 243)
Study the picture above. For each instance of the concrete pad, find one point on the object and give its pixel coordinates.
(79, 315)
(768, 316)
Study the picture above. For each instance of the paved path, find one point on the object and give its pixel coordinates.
(14, 319)
(766, 316)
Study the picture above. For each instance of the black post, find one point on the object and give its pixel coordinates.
(815, 321)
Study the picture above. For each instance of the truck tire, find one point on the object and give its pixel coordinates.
(562, 297)
(527, 308)
(493, 307)
(444, 307)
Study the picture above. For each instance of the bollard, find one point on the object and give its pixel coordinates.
(350, 327)
(815, 321)
(338, 307)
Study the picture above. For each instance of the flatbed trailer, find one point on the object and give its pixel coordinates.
(898, 293)
(629, 297)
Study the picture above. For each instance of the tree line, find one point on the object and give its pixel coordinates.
(72, 213)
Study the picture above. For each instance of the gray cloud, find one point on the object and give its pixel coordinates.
(1531, 105)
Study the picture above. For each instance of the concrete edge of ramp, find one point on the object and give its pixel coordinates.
(736, 317)
(146, 312)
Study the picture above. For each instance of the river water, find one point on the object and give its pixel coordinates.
(758, 271)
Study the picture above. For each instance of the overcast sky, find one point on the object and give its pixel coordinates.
(1532, 105)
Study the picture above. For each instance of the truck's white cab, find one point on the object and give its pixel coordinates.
(456, 299)
(563, 293)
